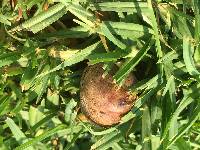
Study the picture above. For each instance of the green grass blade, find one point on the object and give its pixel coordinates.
(43, 19)
(182, 144)
(146, 128)
(17, 133)
(168, 85)
(197, 19)
(120, 6)
(106, 57)
(187, 56)
(35, 115)
(9, 58)
(186, 127)
(106, 31)
(75, 32)
(98, 133)
(80, 56)
(184, 103)
(42, 121)
(4, 104)
(126, 68)
(156, 32)
(107, 140)
(4, 20)
(155, 28)
(82, 14)
(43, 24)
(41, 137)
(126, 29)
(140, 101)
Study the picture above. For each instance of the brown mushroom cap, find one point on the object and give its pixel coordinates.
(102, 100)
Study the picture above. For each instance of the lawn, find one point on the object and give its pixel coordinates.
(45, 45)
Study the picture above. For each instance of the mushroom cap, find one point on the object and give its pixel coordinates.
(102, 101)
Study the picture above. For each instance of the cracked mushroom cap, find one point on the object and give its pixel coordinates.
(102, 101)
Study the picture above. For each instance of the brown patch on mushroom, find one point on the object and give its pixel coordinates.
(102, 101)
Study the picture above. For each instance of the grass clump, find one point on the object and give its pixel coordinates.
(45, 45)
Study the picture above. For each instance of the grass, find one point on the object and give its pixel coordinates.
(45, 46)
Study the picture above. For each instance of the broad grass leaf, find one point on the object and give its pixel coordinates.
(28, 77)
(19, 106)
(106, 57)
(135, 112)
(128, 66)
(197, 55)
(35, 115)
(155, 142)
(82, 14)
(75, 32)
(146, 128)
(41, 137)
(70, 115)
(42, 121)
(182, 144)
(128, 30)
(42, 85)
(106, 30)
(37, 86)
(80, 56)
(155, 29)
(143, 98)
(184, 103)
(5, 20)
(75, 137)
(52, 98)
(107, 140)
(62, 54)
(168, 57)
(98, 133)
(196, 8)
(156, 34)
(188, 51)
(182, 24)
(69, 131)
(148, 84)
(17, 133)
(116, 146)
(170, 86)
(179, 68)
(183, 129)
(120, 6)
(13, 70)
(41, 25)
(4, 107)
(151, 86)
(9, 58)
(169, 92)
(43, 19)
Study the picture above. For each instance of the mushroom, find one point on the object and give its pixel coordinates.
(102, 101)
